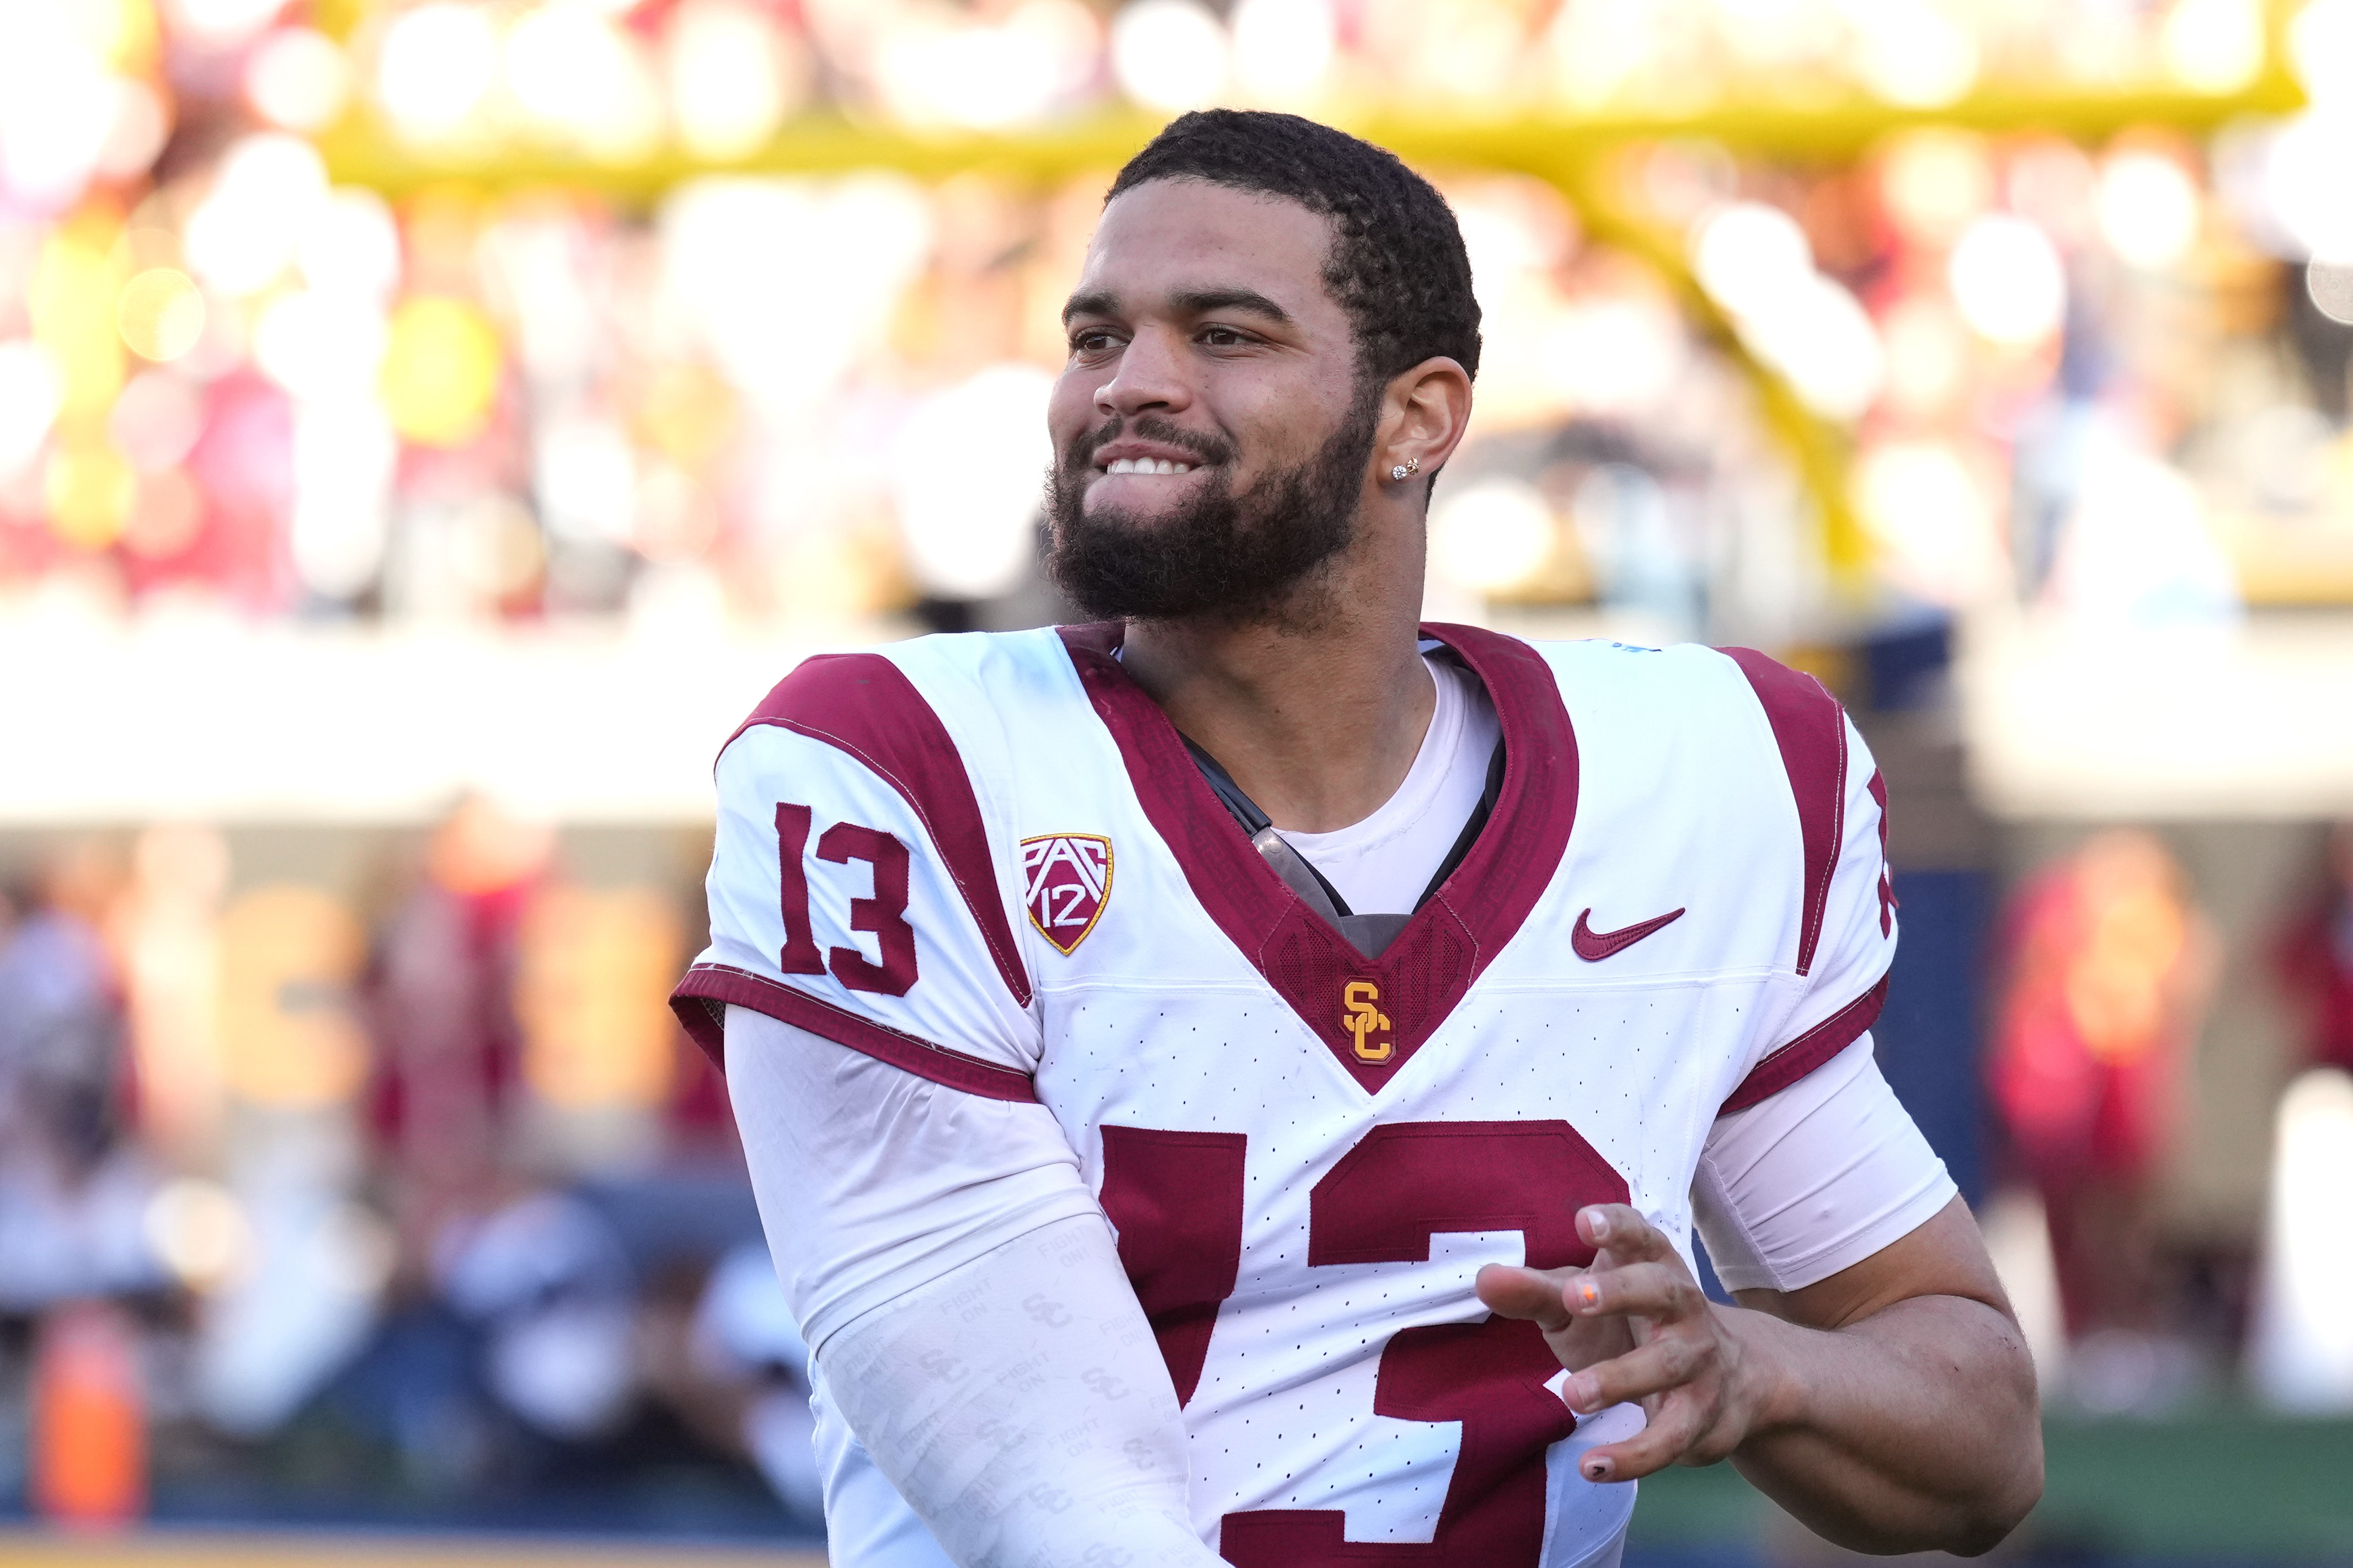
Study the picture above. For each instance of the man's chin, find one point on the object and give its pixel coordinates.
(1130, 511)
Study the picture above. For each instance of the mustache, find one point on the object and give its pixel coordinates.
(1148, 427)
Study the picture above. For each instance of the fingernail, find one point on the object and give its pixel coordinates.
(1588, 1294)
(1597, 1469)
(1598, 1223)
(1584, 1392)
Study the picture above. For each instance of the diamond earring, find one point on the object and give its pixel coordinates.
(1406, 469)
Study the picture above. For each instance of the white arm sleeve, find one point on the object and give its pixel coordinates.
(1815, 1179)
(965, 1302)
(872, 1181)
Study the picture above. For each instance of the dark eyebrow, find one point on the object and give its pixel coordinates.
(1208, 301)
(1192, 302)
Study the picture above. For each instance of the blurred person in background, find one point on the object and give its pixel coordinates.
(442, 1006)
(2315, 958)
(744, 1339)
(2300, 1336)
(60, 1025)
(71, 1189)
(725, 1357)
(2107, 964)
(73, 1194)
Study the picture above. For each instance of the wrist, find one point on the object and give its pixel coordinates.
(1770, 1394)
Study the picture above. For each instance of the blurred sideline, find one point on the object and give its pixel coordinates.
(35, 1550)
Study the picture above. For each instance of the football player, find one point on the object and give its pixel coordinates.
(1236, 1081)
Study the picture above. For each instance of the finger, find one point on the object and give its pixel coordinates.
(1666, 1363)
(1534, 1294)
(1674, 1429)
(1660, 1290)
(1623, 1230)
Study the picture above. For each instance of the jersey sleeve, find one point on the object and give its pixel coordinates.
(1844, 907)
(855, 889)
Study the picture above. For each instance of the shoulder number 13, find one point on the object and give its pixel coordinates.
(884, 914)
(1176, 1199)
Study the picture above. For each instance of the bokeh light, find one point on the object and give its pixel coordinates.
(1493, 535)
(1169, 55)
(243, 235)
(435, 67)
(966, 480)
(2330, 286)
(298, 79)
(2007, 280)
(198, 1231)
(735, 76)
(1930, 515)
(161, 313)
(32, 389)
(2148, 209)
(2213, 46)
(441, 363)
(221, 24)
(1284, 50)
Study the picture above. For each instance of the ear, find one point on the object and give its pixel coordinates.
(1423, 416)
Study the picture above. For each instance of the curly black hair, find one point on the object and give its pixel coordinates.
(1397, 267)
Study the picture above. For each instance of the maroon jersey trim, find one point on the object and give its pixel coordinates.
(1810, 1050)
(1809, 728)
(1453, 937)
(864, 705)
(701, 997)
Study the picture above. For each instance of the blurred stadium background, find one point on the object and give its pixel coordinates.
(425, 428)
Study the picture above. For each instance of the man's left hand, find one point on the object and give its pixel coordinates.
(1636, 1326)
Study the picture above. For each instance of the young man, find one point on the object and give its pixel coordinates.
(1398, 994)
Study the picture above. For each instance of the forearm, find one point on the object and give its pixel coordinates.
(1914, 1428)
(1021, 1408)
(971, 1319)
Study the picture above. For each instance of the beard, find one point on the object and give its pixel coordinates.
(1236, 559)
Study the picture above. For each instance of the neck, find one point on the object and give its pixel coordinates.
(1317, 713)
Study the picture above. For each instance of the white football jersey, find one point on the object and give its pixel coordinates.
(989, 860)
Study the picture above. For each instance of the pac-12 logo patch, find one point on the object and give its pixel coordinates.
(1066, 879)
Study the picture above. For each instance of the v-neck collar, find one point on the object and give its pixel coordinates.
(1413, 986)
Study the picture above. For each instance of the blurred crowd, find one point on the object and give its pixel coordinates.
(414, 1204)
(283, 331)
(418, 1202)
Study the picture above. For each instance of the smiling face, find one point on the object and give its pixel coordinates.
(1213, 434)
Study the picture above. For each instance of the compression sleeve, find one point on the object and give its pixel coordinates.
(1815, 1178)
(1019, 1405)
(873, 1181)
(966, 1301)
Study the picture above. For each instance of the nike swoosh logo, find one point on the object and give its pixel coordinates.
(1593, 946)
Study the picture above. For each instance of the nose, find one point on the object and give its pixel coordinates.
(1149, 375)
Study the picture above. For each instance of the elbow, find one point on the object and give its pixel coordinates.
(2001, 1501)
(2005, 1505)
(1968, 1526)
(1980, 1503)
(2006, 1491)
